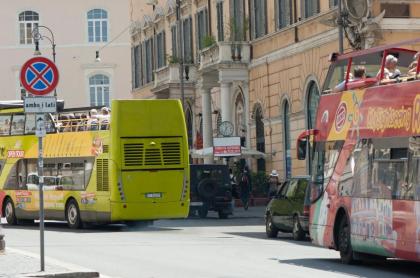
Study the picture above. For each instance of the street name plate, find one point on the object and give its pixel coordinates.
(40, 105)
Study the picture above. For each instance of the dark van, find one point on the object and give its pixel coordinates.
(210, 190)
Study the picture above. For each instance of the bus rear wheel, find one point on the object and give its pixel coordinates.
(9, 212)
(344, 242)
(73, 215)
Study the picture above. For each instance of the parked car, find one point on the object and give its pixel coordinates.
(210, 190)
(288, 210)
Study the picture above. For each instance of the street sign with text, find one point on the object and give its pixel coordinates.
(40, 105)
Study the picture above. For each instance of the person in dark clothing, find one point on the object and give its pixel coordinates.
(245, 187)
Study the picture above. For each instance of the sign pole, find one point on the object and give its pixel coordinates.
(39, 76)
(41, 196)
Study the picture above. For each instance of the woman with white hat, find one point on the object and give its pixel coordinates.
(273, 183)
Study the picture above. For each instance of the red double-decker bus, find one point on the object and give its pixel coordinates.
(365, 156)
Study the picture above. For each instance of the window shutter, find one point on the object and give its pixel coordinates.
(133, 71)
(164, 48)
(253, 16)
(206, 23)
(264, 17)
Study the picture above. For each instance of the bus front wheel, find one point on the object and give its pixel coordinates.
(9, 212)
(347, 254)
(73, 215)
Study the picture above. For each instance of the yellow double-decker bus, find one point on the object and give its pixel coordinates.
(125, 165)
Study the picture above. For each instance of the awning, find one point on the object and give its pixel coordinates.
(245, 153)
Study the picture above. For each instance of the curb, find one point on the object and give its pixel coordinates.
(92, 274)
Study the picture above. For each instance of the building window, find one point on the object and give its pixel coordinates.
(240, 116)
(259, 18)
(311, 108)
(283, 12)
(396, 10)
(97, 25)
(237, 21)
(174, 41)
(312, 104)
(189, 123)
(99, 90)
(310, 8)
(333, 3)
(187, 43)
(260, 136)
(148, 65)
(286, 134)
(137, 66)
(202, 27)
(28, 21)
(160, 49)
(220, 28)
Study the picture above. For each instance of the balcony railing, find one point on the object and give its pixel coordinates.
(225, 52)
(170, 74)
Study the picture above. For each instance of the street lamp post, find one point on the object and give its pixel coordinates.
(180, 51)
(38, 36)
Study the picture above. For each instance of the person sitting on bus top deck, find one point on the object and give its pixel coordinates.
(412, 68)
(105, 118)
(390, 69)
(359, 72)
(93, 120)
(65, 123)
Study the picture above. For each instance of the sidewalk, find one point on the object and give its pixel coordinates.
(16, 263)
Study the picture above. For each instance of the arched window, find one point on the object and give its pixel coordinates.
(28, 21)
(311, 108)
(286, 138)
(240, 116)
(189, 123)
(99, 90)
(97, 25)
(312, 104)
(260, 134)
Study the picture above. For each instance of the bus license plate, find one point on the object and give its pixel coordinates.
(154, 195)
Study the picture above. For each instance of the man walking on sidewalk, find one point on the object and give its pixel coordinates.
(245, 187)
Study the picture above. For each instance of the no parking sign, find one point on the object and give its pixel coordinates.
(39, 76)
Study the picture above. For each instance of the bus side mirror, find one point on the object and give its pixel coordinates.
(301, 149)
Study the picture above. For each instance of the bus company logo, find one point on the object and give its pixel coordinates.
(340, 116)
(15, 154)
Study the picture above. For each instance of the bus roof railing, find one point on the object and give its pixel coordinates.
(395, 46)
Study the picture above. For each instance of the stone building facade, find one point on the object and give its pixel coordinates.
(259, 64)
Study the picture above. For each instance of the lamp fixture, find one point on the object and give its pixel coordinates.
(37, 52)
(97, 59)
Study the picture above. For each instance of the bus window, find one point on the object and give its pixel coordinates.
(371, 62)
(11, 182)
(336, 75)
(5, 124)
(324, 160)
(2, 162)
(362, 168)
(30, 124)
(18, 125)
(389, 168)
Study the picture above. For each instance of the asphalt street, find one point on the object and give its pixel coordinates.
(213, 248)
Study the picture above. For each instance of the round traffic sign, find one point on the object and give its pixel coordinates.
(39, 76)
